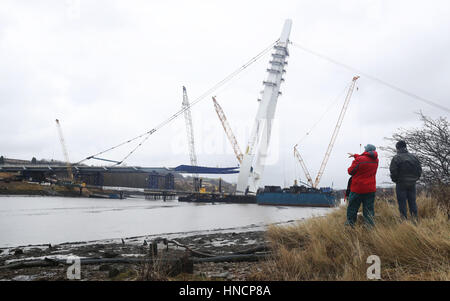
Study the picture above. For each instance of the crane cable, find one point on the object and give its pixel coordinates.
(147, 134)
(398, 89)
(324, 114)
(332, 104)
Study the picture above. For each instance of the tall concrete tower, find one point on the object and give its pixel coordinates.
(252, 166)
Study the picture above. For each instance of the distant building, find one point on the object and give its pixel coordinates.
(135, 177)
(151, 178)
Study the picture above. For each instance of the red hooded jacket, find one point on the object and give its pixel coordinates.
(363, 171)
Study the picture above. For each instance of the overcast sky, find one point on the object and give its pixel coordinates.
(111, 70)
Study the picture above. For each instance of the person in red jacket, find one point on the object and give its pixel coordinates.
(363, 186)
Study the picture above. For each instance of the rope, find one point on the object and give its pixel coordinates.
(324, 114)
(398, 89)
(147, 134)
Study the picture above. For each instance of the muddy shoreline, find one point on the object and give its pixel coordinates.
(35, 262)
(168, 247)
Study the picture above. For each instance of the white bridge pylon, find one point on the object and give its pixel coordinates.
(252, 166)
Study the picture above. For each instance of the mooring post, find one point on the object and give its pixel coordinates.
(153, 249)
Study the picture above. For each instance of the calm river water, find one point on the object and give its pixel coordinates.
(36, 220)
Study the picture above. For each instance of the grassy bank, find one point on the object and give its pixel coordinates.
(323, 249)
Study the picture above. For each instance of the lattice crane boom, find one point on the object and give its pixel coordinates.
(228, 131)
(189, 128)
(64, 149)
(190, 137)
(335, 132)
(302, 163)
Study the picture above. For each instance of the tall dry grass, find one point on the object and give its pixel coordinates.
(323, 248)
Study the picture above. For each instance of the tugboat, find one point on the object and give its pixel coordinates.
(296, 196)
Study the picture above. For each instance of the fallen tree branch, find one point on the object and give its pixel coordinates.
(84, 261)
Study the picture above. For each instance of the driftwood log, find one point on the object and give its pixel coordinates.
(233, 258)
(251, 254)
(161, 261)
(193, 252)
(196, 253)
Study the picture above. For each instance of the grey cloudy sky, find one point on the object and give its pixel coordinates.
(111, 70)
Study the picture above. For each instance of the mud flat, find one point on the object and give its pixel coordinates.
(225, 255)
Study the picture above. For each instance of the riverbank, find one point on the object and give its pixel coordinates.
(323, 249)
(147, 258)
(46, 189)
(33, 188)
(317, 248)
(81, 227)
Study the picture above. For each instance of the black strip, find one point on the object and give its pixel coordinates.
(221, 289)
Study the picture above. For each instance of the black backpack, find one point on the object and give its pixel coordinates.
(347, 192)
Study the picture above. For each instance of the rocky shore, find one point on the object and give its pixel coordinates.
(226, 255)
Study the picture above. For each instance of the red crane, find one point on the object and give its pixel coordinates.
(228, 131)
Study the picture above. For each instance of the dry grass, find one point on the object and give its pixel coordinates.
(323, 249)
(152, 271)
(442, 195)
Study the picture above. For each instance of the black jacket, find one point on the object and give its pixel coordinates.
(405, 168)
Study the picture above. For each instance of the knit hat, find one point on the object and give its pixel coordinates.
(369, 148)
(401, 144)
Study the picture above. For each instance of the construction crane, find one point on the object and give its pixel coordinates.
(228, 131)
(64, 149)
(190, 136)
(302, 163)
(336, 131)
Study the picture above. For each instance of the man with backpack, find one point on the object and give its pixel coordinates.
(362, 185)
(405, 170)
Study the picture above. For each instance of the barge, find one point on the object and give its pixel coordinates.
(271, 195)
(296, 196)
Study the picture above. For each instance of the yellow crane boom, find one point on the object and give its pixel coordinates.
(335, 132)
(66, 155)
(228, 131)
(302, 163)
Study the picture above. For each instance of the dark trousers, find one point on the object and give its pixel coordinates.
(406, 192)
(354, 202)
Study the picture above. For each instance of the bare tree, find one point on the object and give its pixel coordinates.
(431, 144)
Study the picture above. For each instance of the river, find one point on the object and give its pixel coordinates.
(28, 220)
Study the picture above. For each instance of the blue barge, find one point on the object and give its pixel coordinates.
(296, 196)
